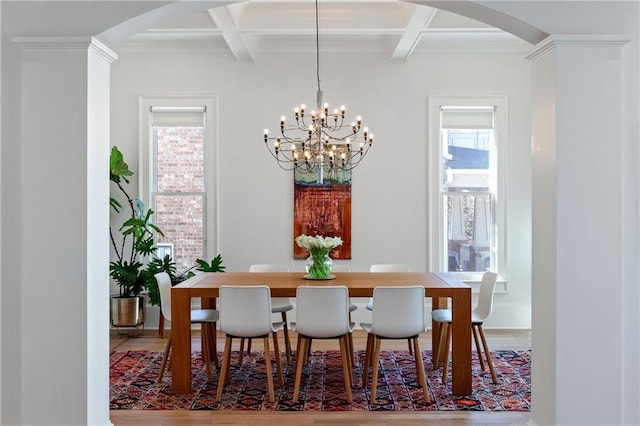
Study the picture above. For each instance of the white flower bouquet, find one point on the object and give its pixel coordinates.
(319, 267)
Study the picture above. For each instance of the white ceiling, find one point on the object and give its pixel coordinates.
(394, 27)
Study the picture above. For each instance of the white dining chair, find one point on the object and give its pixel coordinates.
(480, 313)
(398, 313)
(207, 319)
(323, 313)
(245, 312)
(280, 305)
(388, 267)
(345, 268)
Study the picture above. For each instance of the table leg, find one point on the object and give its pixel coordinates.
(461, 341)
(436, 303)
(210, 303)
(181, 341)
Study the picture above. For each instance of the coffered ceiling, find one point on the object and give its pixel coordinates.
(395, 28)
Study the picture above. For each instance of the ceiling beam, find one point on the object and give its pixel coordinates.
(231, 34)
(419, 22)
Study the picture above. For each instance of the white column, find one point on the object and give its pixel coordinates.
(63, 154)
(578, 187)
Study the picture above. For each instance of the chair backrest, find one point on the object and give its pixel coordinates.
(322, 311)
(398, 312)
(484, 307)
(164, 286)
(389, 267)
(340, 268)
(268, 267)
(245, 311)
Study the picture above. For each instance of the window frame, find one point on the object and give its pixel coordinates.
(437, 258)
(146, 155)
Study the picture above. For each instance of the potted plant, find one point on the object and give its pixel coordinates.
(135, 263)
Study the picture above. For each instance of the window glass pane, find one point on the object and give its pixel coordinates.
(179, 158)
(469, 232)
(180, 217)
(467, 137)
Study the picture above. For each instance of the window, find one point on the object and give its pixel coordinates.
(176, 152)
(465, 157)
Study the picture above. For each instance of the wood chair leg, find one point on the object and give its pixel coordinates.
(488, 354)
(224, 371)
(161, 326)
(167, 348)
(420, 369)
(204, 343)
(352, 352)
(276, 354)
(445, 367)
(267, 360)
(478, 349)
(439, 348)
(300, 356)
(241, 351)
(287, 341)
(214, 344)
(346, 370)
(367, 359)
(348, 346)
(307, 353)
(374, 377)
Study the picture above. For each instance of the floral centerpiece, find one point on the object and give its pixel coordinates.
(319, 264)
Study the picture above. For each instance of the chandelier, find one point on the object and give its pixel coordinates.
(320, 141)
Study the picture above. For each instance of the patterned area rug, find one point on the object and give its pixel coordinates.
(133, 385)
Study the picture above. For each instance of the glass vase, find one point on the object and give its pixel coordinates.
(319, 266)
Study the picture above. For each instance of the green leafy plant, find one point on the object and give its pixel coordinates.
(215, 266)
(135, 265)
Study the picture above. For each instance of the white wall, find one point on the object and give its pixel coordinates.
(389, 186)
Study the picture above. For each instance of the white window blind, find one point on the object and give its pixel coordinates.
(177, 116)
(466, 118)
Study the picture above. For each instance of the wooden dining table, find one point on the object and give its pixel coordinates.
(440, 287)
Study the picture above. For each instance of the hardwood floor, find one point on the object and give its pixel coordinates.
(149, 340)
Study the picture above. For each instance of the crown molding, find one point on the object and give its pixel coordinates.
(556, 41)
(79, 42)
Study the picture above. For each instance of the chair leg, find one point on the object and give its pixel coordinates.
(267, 360)
(349, 347)
(420, 369)
(287, 341)
(475, 338)
(307, 350)
(276, 354)
(241, 351)
(161, 326)
(439, 348)
(367, 359)
(167, 348)
(300, 356)
(224, 371)
(487, 354)
(374, 378)
(346, 369)
(445, 367)
(204, 343)
(352, 352)
(214, 338)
